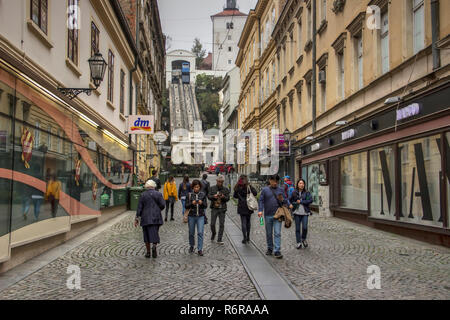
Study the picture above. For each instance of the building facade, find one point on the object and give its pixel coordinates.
(64, 160)
(364, 100)
(227, 28)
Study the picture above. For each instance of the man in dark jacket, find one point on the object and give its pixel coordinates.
(149, 210)
(270, 200)
(156, 179)
(219, 196)
(205, 184)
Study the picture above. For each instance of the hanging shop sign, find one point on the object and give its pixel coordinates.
(160, 136)
(315, 147)
(27, 147)
(284, 147)
(140, 124)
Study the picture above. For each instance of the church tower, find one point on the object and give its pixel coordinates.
(227, 29)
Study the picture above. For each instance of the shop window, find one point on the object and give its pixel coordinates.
(354, 181)
(313, 182)
(420, 189)
(382, 183)
(5, 161)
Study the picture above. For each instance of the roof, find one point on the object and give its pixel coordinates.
(229, 13)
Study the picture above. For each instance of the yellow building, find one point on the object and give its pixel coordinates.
(364, 92)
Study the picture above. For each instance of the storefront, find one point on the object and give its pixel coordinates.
(389, 170)
(57, 167)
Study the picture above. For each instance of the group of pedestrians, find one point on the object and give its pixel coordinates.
(194, 198)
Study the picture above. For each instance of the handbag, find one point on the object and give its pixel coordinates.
(282, 213)
(252, 203)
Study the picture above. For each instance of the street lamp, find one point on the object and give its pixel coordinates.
(287, 135)
(97, 66)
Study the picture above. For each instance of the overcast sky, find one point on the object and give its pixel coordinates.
(185, 20)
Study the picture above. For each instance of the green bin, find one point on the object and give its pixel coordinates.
(135, 195)
(120, 197)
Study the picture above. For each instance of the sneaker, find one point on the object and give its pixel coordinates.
(299, 245)
(278, 255)
(244, 241)
(305, 244)
(269, 252)
(220, 242)
(147, 255)
(165, 219)
(154, 253)
(200, 253)
(172, 219)
(191, 249)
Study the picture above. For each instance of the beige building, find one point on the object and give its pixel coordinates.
(364, 156)
(53, 145)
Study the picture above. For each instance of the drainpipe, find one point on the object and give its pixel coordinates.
(435, 33)
(314, 73)
(132, 71)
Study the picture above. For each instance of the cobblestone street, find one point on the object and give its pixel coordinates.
(334, 266)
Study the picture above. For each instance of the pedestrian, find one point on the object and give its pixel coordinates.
(170, 196)
(156, 179)
(183, 190)
(219, 196)
(197, 203)
(241, 190)
(53, 194)
(205, 184)
(300, 201)
(271, 199)
(148, 212)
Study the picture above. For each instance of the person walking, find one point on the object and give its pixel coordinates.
(219, 196)
(197, 203)
(271, 198)
(241, 190)
(300, 201)
(156, 179)
(53, 193)
(148, 212)
(205, 184)
(170, 196)
(183, 190)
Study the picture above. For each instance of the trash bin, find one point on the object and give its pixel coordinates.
(135, 195)
(120, 197)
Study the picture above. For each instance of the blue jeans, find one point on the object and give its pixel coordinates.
(273, 230)
(37, 206)
(200, 223)
(183, 204)
(301, 227)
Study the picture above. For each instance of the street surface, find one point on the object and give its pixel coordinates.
(334, 266)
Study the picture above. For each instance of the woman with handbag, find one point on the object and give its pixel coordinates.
(300, 201)
(170, 196)
(196, 203)
(243, 191)
(148, 212)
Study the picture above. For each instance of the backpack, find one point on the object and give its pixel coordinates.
(291, 190)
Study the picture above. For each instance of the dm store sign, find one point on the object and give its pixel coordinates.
(140, 124)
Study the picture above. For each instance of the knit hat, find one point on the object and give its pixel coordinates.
(150, 184)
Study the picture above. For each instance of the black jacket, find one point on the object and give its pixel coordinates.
(205, 186)
(306, 200)
(223, 202)
(196, 210)
(241, 195)
(149, 208)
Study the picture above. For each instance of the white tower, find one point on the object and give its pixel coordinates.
(227, 29)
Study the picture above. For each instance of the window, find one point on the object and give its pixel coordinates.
(39, 14)
(122, 92)
(37, 134)
(229, 49)
(354, 181)
(59, 142)
(49, 137)
(323, 10)
(323, 94)
(420, 181)
(384, 42)
(309, 24)
(299, 38)
(230, 25)
(273, 75)
(341, 75)
(110, 76)
(291, 49)
(418, 25)
(359, 62)
(229, 37)
(72, 46)
(229, 61)
(299, 107)
(95, 39)
(382, 183)
(313, 182)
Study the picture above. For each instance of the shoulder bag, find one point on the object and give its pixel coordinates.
(252, 203)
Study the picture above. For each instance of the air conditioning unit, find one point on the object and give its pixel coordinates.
(322, 76)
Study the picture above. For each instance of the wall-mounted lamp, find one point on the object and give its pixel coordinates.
(393, 100)
(341, 123)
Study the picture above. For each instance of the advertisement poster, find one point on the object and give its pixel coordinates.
(284, 147)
